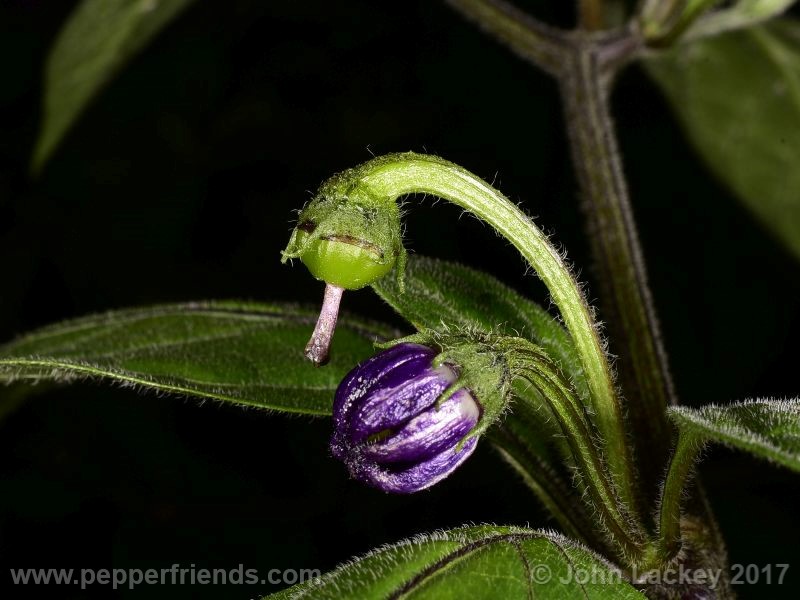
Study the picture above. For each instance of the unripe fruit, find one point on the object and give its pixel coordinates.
(342, 261)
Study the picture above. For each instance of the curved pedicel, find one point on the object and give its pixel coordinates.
(361, 204)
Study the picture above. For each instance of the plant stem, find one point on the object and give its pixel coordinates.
(585, 65)
(680, 469)
(626, 302)
(569, 413)
(548, 486)
(318, 346)
(530, 39)
(397, 175)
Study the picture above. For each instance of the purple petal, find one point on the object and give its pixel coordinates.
(417, 477)
(388, 408)
(386, 369)
(429, 433)
(394, 394)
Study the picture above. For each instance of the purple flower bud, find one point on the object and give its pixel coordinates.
(389, 428)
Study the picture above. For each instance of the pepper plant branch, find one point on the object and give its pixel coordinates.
(680, 470)
(398, 175)
(530, 39)
(585, 67)
(626, 301)
(622, 530)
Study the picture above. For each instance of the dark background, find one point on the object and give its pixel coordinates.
(178, 184)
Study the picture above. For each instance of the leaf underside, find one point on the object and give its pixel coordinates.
(97, 40)
(737, 96)
(483, 562)
(246, 353)
(766, 428)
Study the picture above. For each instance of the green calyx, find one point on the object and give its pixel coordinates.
(347, 237)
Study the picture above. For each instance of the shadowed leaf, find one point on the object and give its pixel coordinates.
(738, 15)
(738, 98)
(250, 354)
(97, 40)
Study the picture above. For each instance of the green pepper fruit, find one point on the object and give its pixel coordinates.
(342, 261)
(348, 239)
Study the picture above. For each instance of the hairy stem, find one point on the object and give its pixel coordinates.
(584, 66)
(621, 529)
(401, 174)
(547, 485)
(680, 470)
(533, 41)
(626, 301)
(319, 345)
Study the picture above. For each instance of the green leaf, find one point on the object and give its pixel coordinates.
(249, 354)
(767, 428)
(484, 562)
(440, 292)
(97, 40)
(740, 14)
(738, 98)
